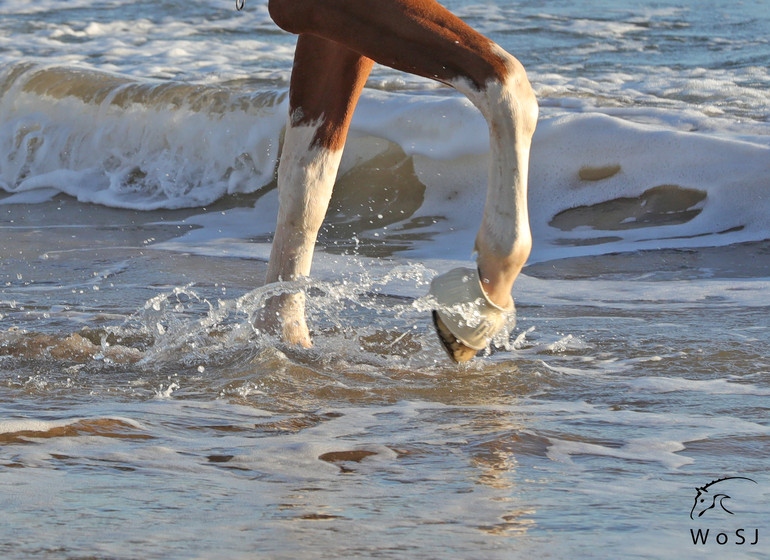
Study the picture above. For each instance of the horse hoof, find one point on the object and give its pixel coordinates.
(466, 319)
(296, 333)
(283, 316)
(457, 351)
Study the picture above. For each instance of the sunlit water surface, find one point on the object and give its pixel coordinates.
(143, 416)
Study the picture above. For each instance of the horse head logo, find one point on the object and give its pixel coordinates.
(709, 496)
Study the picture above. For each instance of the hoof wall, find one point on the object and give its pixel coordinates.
(457, 351)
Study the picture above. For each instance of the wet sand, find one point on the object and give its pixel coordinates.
(744, 260)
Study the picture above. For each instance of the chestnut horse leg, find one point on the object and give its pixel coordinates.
(423, 38)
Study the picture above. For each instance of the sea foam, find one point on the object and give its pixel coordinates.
(599, 183)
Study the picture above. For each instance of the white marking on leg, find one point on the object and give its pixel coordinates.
(510, 110)
(306, 176)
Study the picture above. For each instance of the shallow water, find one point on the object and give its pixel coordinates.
(143, 416)
(595, 426)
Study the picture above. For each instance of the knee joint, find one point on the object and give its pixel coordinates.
(506, 96)
(519, 95)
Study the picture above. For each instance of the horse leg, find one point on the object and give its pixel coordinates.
(326, 82)
(423, 38)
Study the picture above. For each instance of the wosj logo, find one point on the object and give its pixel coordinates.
(713, 507)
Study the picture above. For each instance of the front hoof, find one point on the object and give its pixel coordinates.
(466, 319)
(296, 333)
(284, 316)
(457, 351)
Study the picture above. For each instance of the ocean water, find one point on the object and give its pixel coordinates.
(142, 416)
